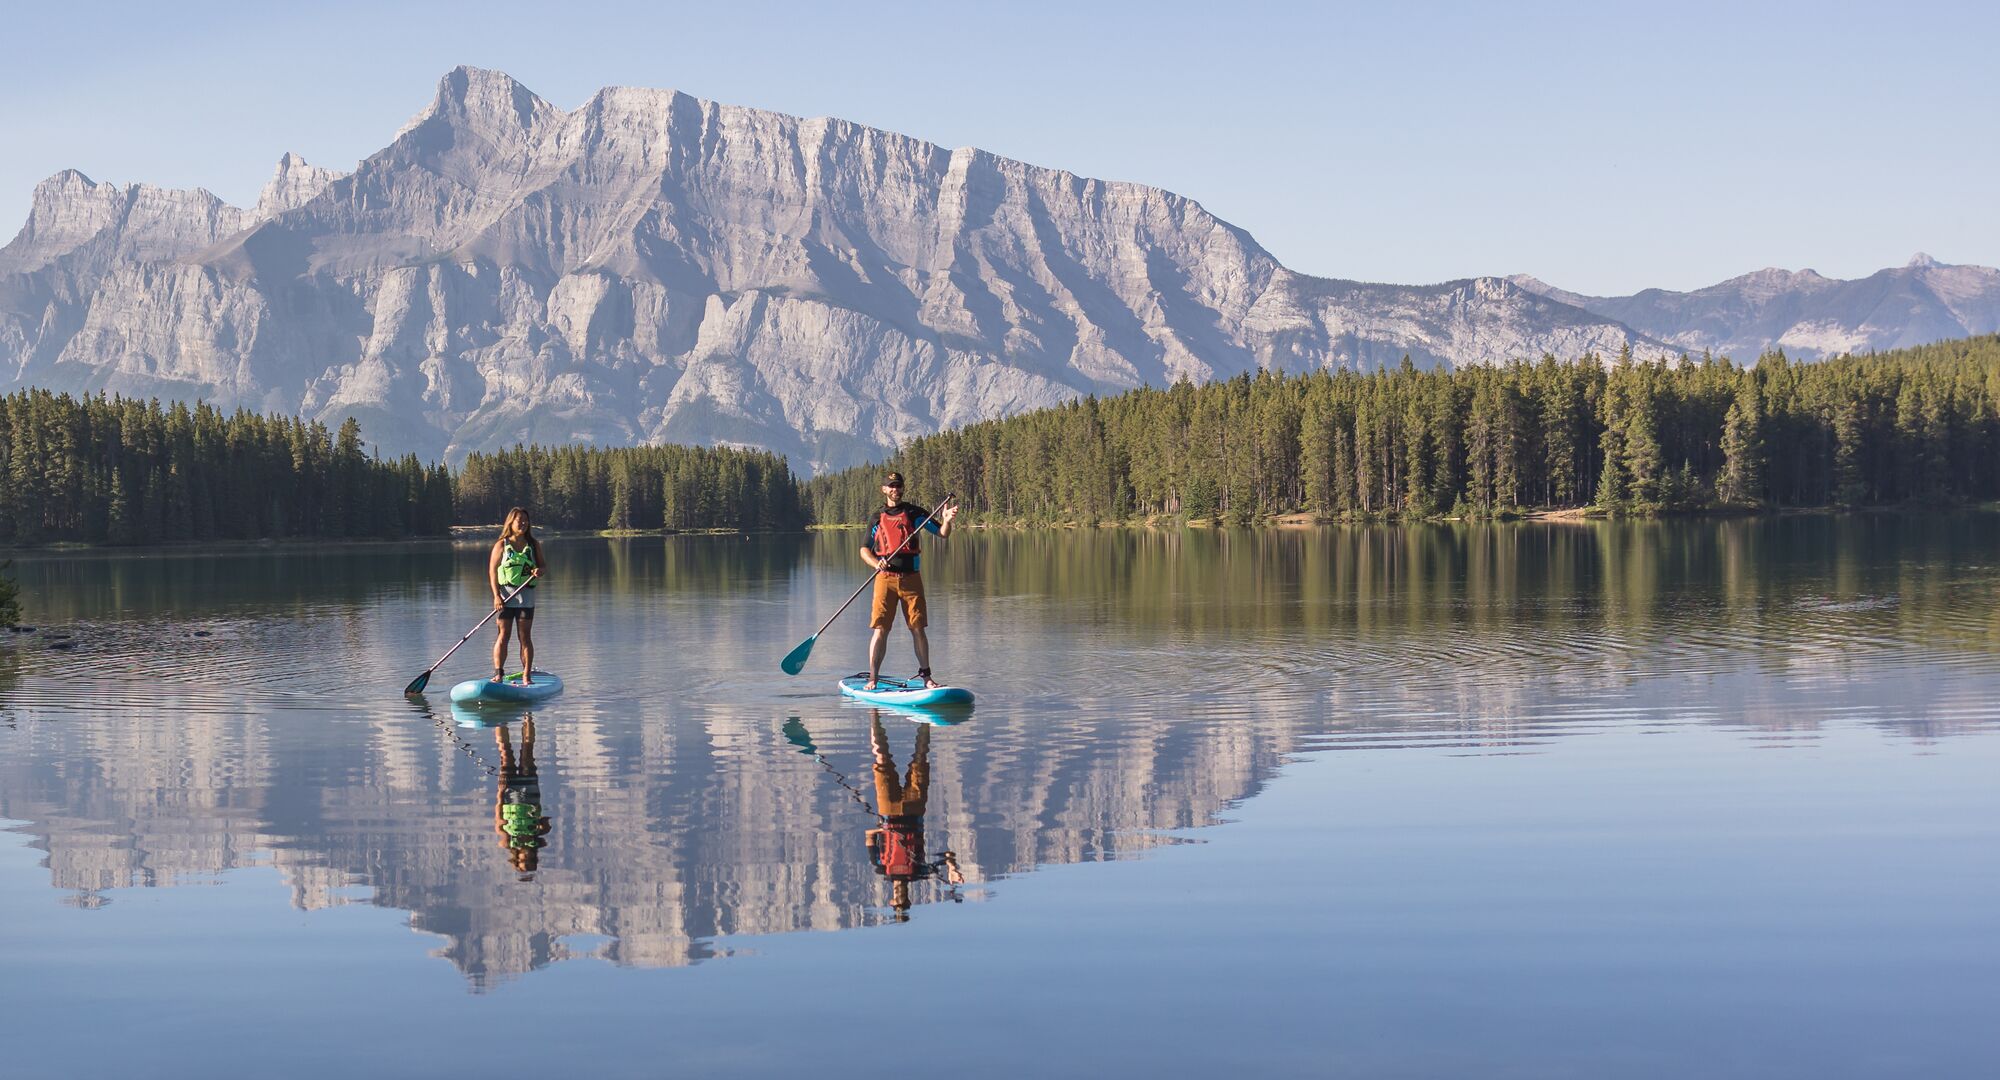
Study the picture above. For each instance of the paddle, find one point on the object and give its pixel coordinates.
(795, 661)
(417, 684)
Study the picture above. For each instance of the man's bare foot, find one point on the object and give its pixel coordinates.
(873, 682)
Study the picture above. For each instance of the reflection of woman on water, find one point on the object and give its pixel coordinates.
(513, 571)
(517, 804)
(896, 847)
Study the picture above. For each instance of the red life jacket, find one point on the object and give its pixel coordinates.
(902, 850)
(890, 529)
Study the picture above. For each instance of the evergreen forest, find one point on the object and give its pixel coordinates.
(640, 487)
(1914, 426)
(113, 470)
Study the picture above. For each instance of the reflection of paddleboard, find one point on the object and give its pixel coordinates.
(934, 715)
(891, 691)
(491, 715)
(482, 691)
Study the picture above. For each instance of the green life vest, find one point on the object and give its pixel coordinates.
(520, 819)
(515, 565)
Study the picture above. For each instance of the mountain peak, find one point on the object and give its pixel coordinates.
(293, 185)
(70, 210)
(489, 102)
(1920, 261)
(490, 95)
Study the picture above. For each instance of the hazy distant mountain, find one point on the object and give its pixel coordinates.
(1807, 315)
(652, 266)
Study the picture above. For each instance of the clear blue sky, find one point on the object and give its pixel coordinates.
(1604, 151)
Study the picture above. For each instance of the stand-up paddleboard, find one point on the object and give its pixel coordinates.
(893, 691)
(507, 691)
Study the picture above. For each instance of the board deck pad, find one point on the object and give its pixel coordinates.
(893, 691)
(476, 691)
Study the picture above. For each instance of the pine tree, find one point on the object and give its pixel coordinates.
(120, 529)
(1850, 481)
(1742, 479)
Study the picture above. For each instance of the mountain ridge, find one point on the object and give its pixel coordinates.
(652, 266)
(1808, 315)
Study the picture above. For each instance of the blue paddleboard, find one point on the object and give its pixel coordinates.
(474, 691)
(892, 691)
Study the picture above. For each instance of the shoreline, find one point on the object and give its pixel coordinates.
(469, 534)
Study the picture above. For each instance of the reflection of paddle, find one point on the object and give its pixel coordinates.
(417, 684)
(795, 661)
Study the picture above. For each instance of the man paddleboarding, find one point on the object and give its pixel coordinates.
(512, 572)
(896, 844)
(899, 585)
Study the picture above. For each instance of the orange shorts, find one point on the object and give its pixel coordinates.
(892, 590)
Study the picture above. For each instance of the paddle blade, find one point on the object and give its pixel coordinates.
(417, 684)
(795, 661)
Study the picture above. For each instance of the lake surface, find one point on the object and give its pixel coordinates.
(1565, 800)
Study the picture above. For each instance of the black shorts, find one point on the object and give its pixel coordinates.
(512, 614)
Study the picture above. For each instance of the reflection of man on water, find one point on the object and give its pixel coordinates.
(896, 847)
(517, 804)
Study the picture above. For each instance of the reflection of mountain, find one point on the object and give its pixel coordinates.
(664, 837)
(1196, 663)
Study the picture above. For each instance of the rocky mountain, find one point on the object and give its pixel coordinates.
(651, 266)
(1805, 314)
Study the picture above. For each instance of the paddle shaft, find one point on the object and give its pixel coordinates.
(878, 570)
(475, 629)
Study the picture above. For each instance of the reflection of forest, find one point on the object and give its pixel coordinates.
(1211, 657)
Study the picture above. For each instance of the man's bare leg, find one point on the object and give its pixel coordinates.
(878, 647)
(921, 642)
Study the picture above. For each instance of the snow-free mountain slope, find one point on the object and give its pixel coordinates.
(1805, 314)
(652, 266)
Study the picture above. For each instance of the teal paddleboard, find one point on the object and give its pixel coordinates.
(477, 691)
(891, 691)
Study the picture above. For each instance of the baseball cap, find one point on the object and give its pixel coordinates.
(894, 479)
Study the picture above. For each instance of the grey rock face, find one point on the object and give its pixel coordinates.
(1807, 315)
(651, 266)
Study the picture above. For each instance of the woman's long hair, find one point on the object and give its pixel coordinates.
(515, 527)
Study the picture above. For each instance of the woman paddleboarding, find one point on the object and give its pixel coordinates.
(515, 568)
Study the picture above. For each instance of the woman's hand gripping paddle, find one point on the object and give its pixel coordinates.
(795, 661)
(417, 684)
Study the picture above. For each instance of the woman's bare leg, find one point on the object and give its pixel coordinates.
(527, 646)
(500, 648)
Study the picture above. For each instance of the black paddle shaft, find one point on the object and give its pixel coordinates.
(946, 501)
(468, 634)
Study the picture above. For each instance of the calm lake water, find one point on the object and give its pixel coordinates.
(1608, 800)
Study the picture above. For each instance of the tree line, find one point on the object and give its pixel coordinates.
(639, 487)
(1631, 437)
(1916, 425)
(114, 470)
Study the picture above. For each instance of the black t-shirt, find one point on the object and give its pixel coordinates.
(906, 562)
